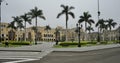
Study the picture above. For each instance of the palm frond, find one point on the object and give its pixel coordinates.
(80, 20)
(42, 17)
(47, 27)
(60, 14)
(63, 6)
(70, 8)
(72, 14)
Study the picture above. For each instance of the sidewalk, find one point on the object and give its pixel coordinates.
(47, 46)
(89, 48)
(31, 48)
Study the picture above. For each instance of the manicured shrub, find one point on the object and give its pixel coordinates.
(71, 43)
(17, 43)
(103, 42)
(20, 43)
(91, 42)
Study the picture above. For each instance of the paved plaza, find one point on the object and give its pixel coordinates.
(39, 52)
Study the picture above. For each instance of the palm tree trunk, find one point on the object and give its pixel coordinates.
(17, 35)
(98, 38)
(66, 27)
(25, 31)
(89, 35)
(103, 35)
(110, 34)
(36, 31)
(66, 32)
(85, 31)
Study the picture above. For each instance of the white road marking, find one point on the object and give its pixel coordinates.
(19, 60)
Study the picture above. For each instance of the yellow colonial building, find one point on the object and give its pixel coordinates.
(42, 35)
(50, 35)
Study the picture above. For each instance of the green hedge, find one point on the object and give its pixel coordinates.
(91, 42)
(71, 43)
(18, 43)
(103, 42)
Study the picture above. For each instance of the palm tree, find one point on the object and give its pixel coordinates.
(26, 18)
(18, 23)
(86, 18)
(111, 24)
(67, 11)
(13, 27)
(47, 28)
(102, 26)
(35, 13)
(34, 28)
(105, 28)
(89, 28)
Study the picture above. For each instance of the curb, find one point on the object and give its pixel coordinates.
(85, 50)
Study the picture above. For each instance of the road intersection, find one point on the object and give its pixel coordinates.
(36, 52)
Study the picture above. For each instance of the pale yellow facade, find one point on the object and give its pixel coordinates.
(49, 35)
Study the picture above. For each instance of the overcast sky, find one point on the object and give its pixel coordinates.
(108, 8)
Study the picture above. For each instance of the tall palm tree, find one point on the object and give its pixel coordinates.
(18, 23)
(102, 26)
(67, 11)
(111, 24)
(35, 13)
(105, 28)
(13, 27)
(26, 18)
(86, 18)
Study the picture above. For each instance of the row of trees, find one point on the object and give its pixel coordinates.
(35, 13)
(86, 17)
(17, 22)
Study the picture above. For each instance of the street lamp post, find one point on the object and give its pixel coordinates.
(0, 20)
(98, 20)
(119, 33)
(78, 28)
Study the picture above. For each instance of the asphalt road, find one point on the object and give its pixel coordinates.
(99, 56)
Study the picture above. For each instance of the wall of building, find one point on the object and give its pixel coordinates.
(49, 35)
